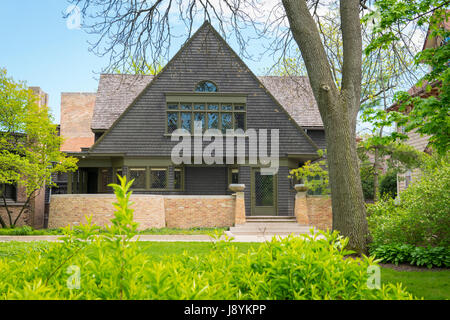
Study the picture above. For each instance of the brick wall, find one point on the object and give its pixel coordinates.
(76, 114)
(319, 212)
(313, 210)
(71, 209)
(15, 209)
(199, 211)
(151, 211)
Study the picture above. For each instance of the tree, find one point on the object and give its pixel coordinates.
(140, 67)
(143, 30)
(388, 147)
(29, 144)
(428, 116)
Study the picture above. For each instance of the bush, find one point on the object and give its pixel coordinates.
(406, 253)
(367, 181)
(388, 184)
(111, 266)
(422, 215)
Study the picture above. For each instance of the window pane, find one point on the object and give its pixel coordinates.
(118, 172)
(235, 176)
(239, 121)
(186, 121)
(200, 117)
(172, 121)
(227, 107)
(172, 106)
(177, 178)
(138, 174)
(186, 106)
(199, 107)
(213, 121)
(227, 122)
(239, 107)
(158, 178)
(206, 86)
(213, 107)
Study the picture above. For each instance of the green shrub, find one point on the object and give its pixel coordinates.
(110, 266)
(406, 253)
(422, 215)
(367, 181)
(388, 184)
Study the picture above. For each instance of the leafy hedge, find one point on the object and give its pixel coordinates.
(422, 215)
(92, 265)
(406, 253)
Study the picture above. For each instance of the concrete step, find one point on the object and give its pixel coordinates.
(270, 219)
(270, 228)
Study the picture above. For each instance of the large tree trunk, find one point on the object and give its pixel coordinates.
(338, 109)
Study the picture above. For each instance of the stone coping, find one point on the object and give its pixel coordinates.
(190, 196)
(168, 196)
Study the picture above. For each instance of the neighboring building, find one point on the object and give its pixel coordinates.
(125, 127)
(16, 197)
(420, 142)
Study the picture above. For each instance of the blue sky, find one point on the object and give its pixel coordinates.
(36, 46)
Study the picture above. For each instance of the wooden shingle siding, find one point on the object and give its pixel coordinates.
(206, 180)
(318, 136)
(140, 130)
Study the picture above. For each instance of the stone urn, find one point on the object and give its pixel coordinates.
(236, 187)
(300, 188)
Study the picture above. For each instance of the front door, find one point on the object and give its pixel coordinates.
(264, 200)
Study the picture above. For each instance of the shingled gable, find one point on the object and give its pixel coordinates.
(173, 77)
(117, 91)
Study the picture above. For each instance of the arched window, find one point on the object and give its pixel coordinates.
(206, 86)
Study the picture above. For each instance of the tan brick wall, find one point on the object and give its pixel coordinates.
(301, 208)
(15, 209)
(313, 210)
(239, 208)
(76, 114)
(72, 209)
(319, 212)
(199, 211)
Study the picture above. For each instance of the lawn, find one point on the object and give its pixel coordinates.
(431, 285)
(427, 284)
(27, 231)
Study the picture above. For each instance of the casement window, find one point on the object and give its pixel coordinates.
(8, 191)
(233, 176)
(158, 178)
(178, 178)
(206, 86)
(221, 116)
(138, 174)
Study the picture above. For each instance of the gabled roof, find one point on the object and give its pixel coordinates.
(117, 91)
(295, 95)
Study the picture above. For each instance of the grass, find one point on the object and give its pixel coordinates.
(431, 285)
(27, 231)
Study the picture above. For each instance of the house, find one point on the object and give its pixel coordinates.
(418, 141)
(15, 195)
(126, 128)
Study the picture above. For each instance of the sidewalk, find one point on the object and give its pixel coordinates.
(157, 238)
